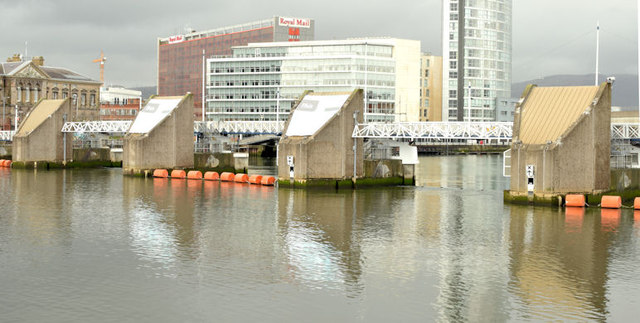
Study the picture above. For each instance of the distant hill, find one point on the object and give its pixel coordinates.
(147, 91)
(625, 88)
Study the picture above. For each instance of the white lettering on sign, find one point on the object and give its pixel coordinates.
(295, 22)
(176, 39)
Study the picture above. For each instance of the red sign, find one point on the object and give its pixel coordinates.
(295, 22)
(176, 39)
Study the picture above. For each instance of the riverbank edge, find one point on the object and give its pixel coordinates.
(593, 200)
(72, 164)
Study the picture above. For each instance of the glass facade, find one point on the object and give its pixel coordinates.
(263, 82)
(477, 57)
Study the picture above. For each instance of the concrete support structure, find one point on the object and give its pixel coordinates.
(561, 141)
(325, 154)
(39, 137)
(161, 136)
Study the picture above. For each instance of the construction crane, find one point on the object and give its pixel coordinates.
(101, 60)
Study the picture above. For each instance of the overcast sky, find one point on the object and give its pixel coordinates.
(549, 36)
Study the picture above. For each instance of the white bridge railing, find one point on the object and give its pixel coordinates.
(239, 127)
(426, 131)
(97, 126)
(435, 130)
(6, 135)
(625, 131)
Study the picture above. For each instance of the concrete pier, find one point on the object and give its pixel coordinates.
(317, 144)
(161, 136)
(39, 137)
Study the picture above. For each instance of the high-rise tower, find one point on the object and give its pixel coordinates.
(476, 50)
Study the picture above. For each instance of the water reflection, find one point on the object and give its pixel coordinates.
(448, 250)
(559, 267)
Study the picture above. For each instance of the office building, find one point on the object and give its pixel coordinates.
(181, 57)
(431, 92)
(476, 58)
(263, 81)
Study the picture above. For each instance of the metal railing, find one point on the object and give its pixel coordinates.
(239, 127)
(97, 126)
(491, 132)
(439, 131)
(6, 135)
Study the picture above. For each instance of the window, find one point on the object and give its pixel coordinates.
(83, 99)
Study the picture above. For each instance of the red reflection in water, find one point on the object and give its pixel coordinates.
(573, 218)
(610, 219)
(636, 218)
(194, 185)
(160, 186)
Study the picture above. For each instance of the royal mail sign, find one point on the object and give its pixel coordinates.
(294, 22)
(176, 39)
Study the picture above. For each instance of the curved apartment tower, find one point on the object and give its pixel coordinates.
(476, 50)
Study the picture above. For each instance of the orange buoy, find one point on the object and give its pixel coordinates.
(1, 162)
(241, 178)
(211, 176)
(255, 179)
(268, 181)
(178, 173)
(7, 163)
(227, 177)
(611, 202)
(636, 203)
(194, 174)
(574, 200)
(162, 173)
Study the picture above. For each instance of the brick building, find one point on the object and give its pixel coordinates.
(181, 57)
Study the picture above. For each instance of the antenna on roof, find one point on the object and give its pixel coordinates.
(597, 50)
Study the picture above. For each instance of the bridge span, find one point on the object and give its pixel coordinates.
(423, 131)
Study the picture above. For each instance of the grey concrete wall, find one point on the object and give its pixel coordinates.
(45, 143)
(579, 163)
(168, 145)
(328, 154)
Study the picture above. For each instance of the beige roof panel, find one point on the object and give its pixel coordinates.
(548, 112)
(38, 115)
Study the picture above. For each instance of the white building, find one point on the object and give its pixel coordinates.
(118, 103)
(475, 76)
(262, 81)
(118, 95)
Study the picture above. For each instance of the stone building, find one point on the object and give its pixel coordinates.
(24, 82)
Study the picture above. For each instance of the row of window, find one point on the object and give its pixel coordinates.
(27, 95)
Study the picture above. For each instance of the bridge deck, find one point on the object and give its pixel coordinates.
(423, 131)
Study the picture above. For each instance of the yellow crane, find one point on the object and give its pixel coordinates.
(101, 60)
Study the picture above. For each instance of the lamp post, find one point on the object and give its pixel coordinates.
(4, 99)
(469, 108)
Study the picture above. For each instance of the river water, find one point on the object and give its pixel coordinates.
(94, 246)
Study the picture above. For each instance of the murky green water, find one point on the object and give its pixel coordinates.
(92, 246)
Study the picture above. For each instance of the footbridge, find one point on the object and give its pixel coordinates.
(423, 131)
